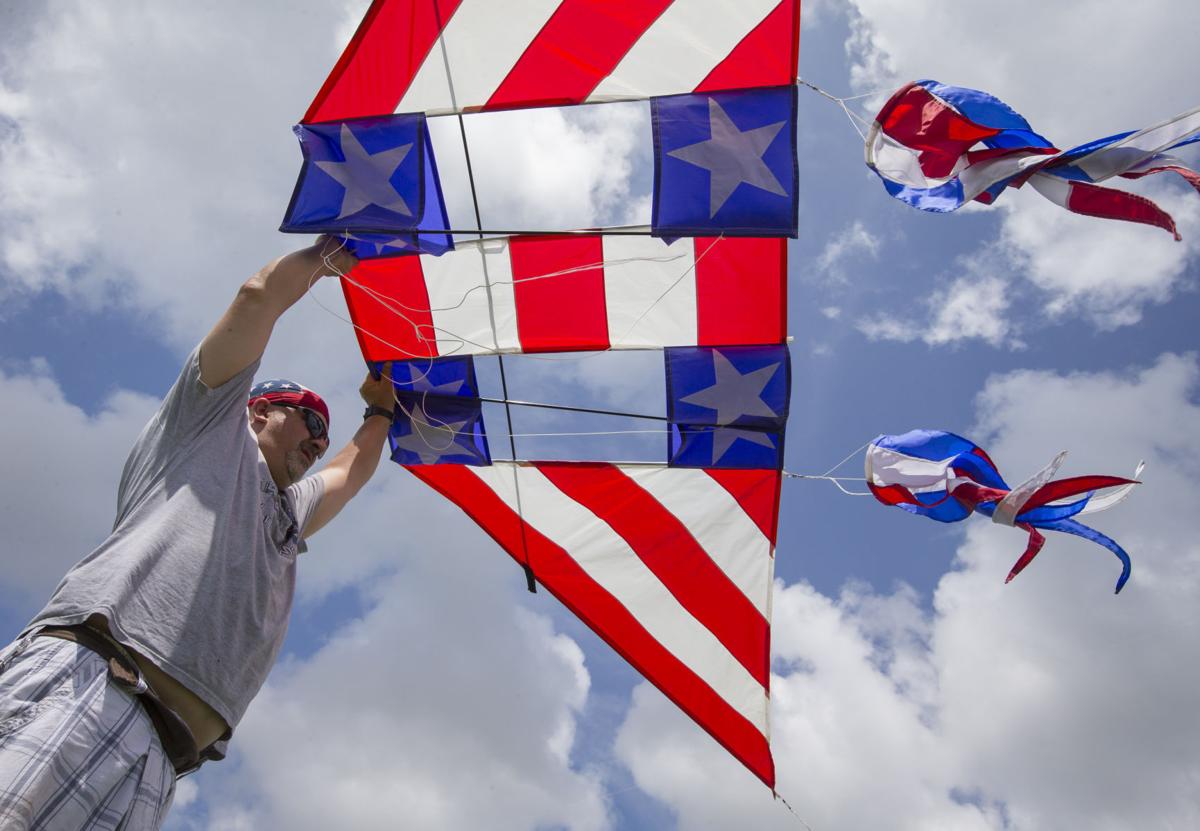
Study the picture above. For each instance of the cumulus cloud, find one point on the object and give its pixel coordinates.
(853, 240)
(61, 471)
(1106, 272)
(969, 308)
(422, 715)
(1046, 703)
(1071, 91)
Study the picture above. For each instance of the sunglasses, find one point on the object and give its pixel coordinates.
(314, 423)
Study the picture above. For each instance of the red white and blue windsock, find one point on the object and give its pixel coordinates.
(937, 147)
(945, 477)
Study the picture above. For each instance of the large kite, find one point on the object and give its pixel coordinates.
(671, 563)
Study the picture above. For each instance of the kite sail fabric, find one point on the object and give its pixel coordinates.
(937, 147)
(671, 566)
(945, 477)
(671, 563)
(444, 56)
(570, 293)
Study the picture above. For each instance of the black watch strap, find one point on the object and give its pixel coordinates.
(374, 410)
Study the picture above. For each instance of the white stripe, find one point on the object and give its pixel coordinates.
(484, 39)
(897, 162)
(1007, 508)
(1132, 150)
(889, 467)
(606, 558)
(458, 299)
(644, 309)
(1053, 188)
(978, 177)
(681, 47)
(718, 523)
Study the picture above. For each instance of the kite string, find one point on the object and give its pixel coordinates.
(855, 118)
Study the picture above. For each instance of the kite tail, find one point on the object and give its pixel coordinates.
(1070, 526)
(1036, 541)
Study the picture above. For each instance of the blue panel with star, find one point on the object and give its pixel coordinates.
(438, 429)
(453, 375)
(367, 175)
(433, 215)
(725, 162)
(439, 417)
(728, 406)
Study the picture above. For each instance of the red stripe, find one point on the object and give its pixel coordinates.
(757, 491)
(1075, 485)
(767, 56)
(565, 312)
(1106, 203)
(668, 549)
(564, 578)
(381, 59)
(741, 291)
(390, 311)
(937, 132)
(580, 45)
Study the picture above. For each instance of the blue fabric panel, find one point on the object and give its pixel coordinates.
(727, 406)
(438, 429)
(365, 175)
(725, 163)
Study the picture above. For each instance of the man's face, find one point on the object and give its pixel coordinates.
(286, 441)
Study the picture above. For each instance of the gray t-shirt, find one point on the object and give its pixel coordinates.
(199, 571)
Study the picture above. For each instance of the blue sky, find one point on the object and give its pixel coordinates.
(145, 161)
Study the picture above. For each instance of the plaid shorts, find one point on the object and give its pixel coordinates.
(76, 750)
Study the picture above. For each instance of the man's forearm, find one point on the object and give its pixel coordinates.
(241, 334)
(350, 470)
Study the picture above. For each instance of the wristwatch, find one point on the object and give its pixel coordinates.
(375, 409)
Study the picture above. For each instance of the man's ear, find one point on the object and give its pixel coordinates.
(258, 411)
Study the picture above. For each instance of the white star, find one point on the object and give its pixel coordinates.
(431, 439)
(734, 395)
(379, 242)
(365, 176)
(732, 156)
(724, 437)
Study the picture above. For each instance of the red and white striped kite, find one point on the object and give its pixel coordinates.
(671, 565)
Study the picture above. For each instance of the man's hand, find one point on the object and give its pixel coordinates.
(241, 334)
(378, 392)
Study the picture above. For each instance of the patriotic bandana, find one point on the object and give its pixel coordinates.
(282, 391)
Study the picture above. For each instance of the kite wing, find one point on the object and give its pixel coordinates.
(947, 478)
(937, 147)
(670, 563)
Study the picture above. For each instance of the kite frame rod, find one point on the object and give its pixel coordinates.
(507, 402)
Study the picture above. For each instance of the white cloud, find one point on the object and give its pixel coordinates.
(550, 169)
(61, 468)
(1071, 89)
(1102, 270)
(971, 307)
(852, 240)
(448, 705)
(152, 156)
(1046, 703)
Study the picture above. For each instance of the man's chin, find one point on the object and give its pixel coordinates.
(297, 466)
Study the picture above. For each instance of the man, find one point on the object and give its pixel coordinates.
(152, 646)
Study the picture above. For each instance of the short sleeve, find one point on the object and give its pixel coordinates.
(189, 410)
(305, 496)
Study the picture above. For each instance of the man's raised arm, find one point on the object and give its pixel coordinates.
(241, 334)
